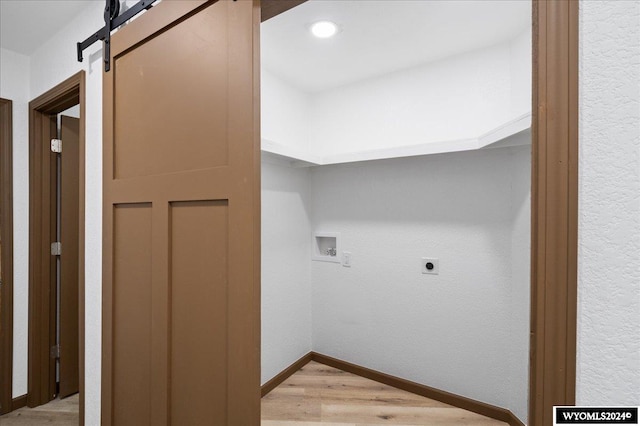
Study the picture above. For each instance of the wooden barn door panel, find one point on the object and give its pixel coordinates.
(181, 218)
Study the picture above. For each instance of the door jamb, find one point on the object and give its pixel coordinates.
(554, 203)
(41, 311)
(6, 221)
(554, 208)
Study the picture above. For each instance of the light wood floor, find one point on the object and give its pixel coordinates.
(316, 395)
(325, 396)
(59, 412)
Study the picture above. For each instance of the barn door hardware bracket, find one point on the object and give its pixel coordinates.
(112, 20)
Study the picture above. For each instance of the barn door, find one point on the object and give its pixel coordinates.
(69, 227)
(181, 218)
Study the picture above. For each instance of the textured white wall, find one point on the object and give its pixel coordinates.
(456, 98)
(284, 112)
(465, 330)
(521, 73)
(286, 254)
(520, 280)
(14, 85)
(608, 365)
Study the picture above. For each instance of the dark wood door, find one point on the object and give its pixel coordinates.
(69, 229)
(181, 255)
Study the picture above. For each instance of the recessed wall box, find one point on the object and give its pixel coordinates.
(326, 246)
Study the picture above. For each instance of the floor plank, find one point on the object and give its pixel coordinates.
(59, 412)
(316, 395)
(321, 395)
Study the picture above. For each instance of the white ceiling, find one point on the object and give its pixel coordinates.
(381, 36)
(376, 37)
(26, 24)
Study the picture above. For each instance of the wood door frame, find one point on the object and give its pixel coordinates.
(42, 124)
(554, 203)
(554, 208)
(6, 230)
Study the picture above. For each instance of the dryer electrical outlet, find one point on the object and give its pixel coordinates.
(430, 265)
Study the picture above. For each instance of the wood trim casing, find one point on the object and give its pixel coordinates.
(468, 404)
(18, 402)
(42, 126)
(257, 194)
(40, 387)
(6, 261)
(554, 208)
(272, 8)
(285, 374)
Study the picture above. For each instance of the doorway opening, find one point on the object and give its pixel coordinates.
(6, 256)
(56, 244)
(406, 138)
(548, 375)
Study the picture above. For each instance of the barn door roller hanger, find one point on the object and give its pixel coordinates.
(111, 22)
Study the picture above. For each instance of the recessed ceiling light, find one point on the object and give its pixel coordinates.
(324, 29)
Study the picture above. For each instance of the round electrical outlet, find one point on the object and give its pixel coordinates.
(429, 265)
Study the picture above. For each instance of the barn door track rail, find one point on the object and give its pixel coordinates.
(111, 22)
